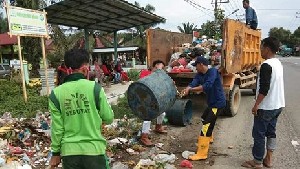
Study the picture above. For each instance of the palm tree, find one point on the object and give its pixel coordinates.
(141, 31)
(187, 28)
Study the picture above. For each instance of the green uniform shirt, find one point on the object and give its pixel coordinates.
(76, 122)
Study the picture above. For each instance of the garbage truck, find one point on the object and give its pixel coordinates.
(240, 58)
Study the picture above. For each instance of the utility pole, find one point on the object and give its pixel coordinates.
(216, 7)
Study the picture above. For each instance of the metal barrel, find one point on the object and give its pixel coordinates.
(151, 95)
(180, 114)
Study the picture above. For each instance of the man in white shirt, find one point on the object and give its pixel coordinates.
(268, 105)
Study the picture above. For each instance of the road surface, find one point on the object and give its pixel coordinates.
(236, 132)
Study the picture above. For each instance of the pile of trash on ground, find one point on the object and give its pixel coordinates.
(25, 144)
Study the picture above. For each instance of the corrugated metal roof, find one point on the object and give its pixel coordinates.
(104, 15)
(111, 50)
(5, 39)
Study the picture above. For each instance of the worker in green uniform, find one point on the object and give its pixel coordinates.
(78, 109)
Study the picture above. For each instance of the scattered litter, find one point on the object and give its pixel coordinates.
(165, 158)
(131, 151)
(119, 165)
(230, 147)
(143, 163)
(170, 166)
(186, 154)
(295, 143)
(159, 145)
(186, 164)
(2, 162)
(117, 140)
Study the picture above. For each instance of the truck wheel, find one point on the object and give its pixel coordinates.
(234, 101)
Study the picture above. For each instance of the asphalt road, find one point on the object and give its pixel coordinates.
(292, 90)
(233, 141)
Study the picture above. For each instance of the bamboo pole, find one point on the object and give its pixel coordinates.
(45, 65)
(22, 69)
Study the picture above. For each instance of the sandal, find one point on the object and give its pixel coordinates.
(252, 164)
(267, 165)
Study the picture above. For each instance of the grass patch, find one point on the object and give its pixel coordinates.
(11, 99)
(133, 74)
(122, 108)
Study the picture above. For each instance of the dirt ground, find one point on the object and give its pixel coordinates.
(233, 132)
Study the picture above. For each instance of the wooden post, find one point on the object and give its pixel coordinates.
(22, 69)
(45, 64)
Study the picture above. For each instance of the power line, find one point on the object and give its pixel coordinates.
(199, 7)
(238, 5)
(192, 2)
(293, 22)
(233, 8)
(279, 9)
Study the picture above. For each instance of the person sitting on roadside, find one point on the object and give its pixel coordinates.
(107, 73)
(117, 73)
(99, 75)
(62, 72)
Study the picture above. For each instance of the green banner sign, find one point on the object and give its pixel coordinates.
(27, 22)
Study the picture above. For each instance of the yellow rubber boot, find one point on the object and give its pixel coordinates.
(202, 151)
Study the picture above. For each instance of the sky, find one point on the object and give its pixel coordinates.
(176, 12)
(271, 13)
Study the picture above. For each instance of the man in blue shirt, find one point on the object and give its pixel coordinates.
(208, 81)
(251, 17)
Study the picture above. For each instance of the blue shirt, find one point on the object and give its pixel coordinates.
(212, 86)
(251, 16)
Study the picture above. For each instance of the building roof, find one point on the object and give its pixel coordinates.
(5, 39)
(104, 15)
(111, 50)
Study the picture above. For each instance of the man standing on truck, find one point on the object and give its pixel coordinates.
(268, 105)
(159, 128)
(207, 80)
(78, 109)
(251, 17)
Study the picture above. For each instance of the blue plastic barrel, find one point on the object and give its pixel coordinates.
(180, 114)
(151, 95)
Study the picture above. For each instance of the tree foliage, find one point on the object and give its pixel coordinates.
(213, 29)
(140, 39)
(32, 49)
(3, 24)
(187, 28)
(281, 34)
(285, 36)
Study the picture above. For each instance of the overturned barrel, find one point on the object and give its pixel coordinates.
(180, 114)
(152, 95)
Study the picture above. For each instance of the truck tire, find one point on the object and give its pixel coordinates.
(233, 103)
